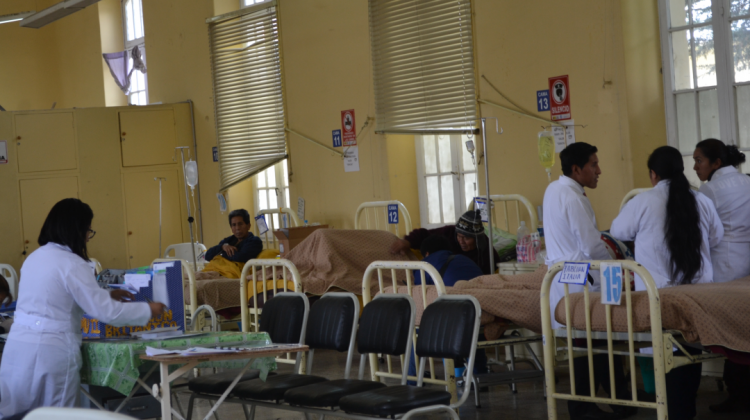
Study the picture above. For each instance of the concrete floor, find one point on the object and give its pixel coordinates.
(498, 403)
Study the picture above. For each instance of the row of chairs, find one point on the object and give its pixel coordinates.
(449, 330)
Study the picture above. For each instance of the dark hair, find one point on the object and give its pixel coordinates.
(434, 243)
(682, 227)
(577, 154)
(715, 149)
(239, 213)
(68, 224)
(5, 289)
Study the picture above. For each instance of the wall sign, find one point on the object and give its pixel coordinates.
(336, 138)
(393, 214)
(542, 100)
(351, 159)
(348, 128)
(559, 92)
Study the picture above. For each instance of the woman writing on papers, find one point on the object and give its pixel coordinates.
(674, 229)
(42, 357)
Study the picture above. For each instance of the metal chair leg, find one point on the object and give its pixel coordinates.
(252, 412)
(513, 367)
(176, 400)
(247, 413)
(477, 403)
(190, 407)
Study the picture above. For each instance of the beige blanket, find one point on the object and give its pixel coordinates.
(712, 314)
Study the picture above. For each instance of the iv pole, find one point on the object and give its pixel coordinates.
(187, 201)
(160, 179)
(487, 188)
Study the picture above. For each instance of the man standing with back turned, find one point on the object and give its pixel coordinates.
(571, 234)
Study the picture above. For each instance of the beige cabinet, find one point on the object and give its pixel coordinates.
(142, 214)
(147, 137)
(37, 198)
(45, 142)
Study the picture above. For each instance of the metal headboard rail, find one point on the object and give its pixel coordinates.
(382, 205)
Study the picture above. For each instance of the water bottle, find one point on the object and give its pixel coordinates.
(523, 242)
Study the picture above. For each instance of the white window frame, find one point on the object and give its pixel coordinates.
(459, 172)
(139, 42)
(725, 86)
(281, 191)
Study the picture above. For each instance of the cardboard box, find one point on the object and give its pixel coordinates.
(291, 237)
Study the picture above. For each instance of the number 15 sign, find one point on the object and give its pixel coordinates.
(611, 283)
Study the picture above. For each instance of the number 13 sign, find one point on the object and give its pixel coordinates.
(611, 283)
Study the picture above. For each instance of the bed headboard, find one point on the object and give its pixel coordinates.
(269, 240)
(379, 219)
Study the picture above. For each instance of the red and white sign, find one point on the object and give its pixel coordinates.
(348, 130)
(559, 93)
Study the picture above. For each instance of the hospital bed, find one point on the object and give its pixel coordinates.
(183, 251)
(401, 281)
(278, 218)
(375, 215)
(623, 331)
(11, 277)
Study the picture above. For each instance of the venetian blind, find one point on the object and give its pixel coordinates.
(423, 65)
(248, 91)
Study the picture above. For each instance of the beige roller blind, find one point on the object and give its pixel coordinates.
(248, 91)
(423, 65)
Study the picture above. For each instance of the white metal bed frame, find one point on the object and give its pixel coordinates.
(268, 237)
(7, 271)
(505, 198)
(382, 205)
(662, 342)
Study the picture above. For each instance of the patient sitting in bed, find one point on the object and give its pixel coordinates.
(231, 254)
(451, 267)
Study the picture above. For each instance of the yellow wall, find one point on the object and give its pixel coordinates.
(402, 174)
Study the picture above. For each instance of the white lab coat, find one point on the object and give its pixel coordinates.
(42, 357)
(643, 218)
(729, 190)
(570, 232)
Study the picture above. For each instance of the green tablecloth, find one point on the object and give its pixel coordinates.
(117, 364)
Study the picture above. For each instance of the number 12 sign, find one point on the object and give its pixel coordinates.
(393, 214)
(611, 283)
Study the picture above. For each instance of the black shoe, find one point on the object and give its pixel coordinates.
(596, 413)
(733, 404)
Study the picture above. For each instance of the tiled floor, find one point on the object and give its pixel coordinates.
(497, 404)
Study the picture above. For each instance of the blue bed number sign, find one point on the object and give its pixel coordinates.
(260, 221)
(336, 138)
(575, 273)
(542, 100)
(611, 283)
(393, 214)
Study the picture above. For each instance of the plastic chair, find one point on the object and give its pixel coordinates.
(60, 413)
(183, 252)
(10, 275)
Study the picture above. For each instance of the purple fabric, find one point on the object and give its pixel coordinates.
(120, 63)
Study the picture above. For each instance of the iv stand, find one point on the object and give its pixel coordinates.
(187, 201)
(160, 179)
(487, 188)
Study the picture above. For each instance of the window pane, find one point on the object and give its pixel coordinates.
(262, 199)
(446, 193)
(433, 199)
(288, 202)
(740, 7)
(678, 13)
(705, 62)
(271, 176)
(741, 50)
(742, 95)
(682, 60)
(276, 222)
(469, 188)
(262, 179)
(444, 149)
(138, 18)
(708, 104)
(129, 29)
(687, 130)
(285, 175)
(430, 155)
(142, 98)
(273, 199)
(468, 165)
(701, 11)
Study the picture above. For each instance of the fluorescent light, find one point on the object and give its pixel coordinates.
(15, 17)
(55, 12)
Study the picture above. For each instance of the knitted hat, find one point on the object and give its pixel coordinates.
(470, 224)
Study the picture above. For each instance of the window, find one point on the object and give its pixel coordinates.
(248, 91)
(423, 66)
(132, 17)
(246, 3)
(447, 178)
(706, 57)
(271, 192)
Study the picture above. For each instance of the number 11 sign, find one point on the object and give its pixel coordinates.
(611, 283)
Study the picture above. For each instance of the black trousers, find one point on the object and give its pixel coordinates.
(737, 378)
(682, 389)
(601, 378)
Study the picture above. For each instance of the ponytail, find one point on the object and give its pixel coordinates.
(734, 156)
(682, 226)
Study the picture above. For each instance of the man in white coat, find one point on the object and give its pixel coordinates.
(571, 234)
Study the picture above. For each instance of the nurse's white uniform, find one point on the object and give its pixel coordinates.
(730, 192)
(42, 358)
(643, 219)
(570, 233)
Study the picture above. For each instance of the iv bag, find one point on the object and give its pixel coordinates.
(546, 145)
(191, 173)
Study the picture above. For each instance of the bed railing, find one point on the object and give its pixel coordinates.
(268, 237)
(632, 193)
(186, 268)
(518, 198)
(288, 270)
(377, 219)
(661, 341)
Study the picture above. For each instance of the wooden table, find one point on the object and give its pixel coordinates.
(163, 394)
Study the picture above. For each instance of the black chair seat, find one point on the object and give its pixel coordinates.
(274, 387)
(217, 383)
(393, 400)
(328, 394)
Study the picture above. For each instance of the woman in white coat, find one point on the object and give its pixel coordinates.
(42, 358)
(729, 190)
(674, 229)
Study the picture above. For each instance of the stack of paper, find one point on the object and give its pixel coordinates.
(150, 351)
